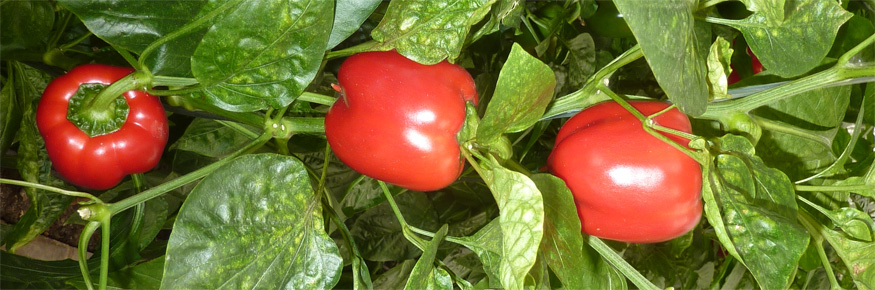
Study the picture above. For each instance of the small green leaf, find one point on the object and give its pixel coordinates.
(521, 218)
(424, 275)
(396, 277)
(487, 244)
(576, 264)
(858, 257)
(797, 44)
(525, 88)
(253, 223)
(754, 212)
(719, 69)
(581, 60)
(428, 31)
(855, 223)
(210, 138)
(669, 39)
(245, 71)
(348, 17)
(503, 12)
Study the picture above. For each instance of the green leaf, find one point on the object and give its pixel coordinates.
(34, 164)
(428, 31)
(798, 131)
(245, 71)
(365, 193)
(525, 88)
(424, 275)
(858, 257)
(797, 44)
(378, 233)
(134, 25)
(396, 277)
(667, 35)
(211, 138)
(253, 223)
(576, 264)
(25, 25)
(855, 223)
(348, 17)
(771, 10)
(487, 244)
(10, 113)
(503, 12)
(19, 272)
(521, 218)
(754, 212)
(581, 60)
(719, 69)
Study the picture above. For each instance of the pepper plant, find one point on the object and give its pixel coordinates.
(249, 193)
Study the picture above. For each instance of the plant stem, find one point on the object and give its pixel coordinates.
(832, 188)
(50, 189)
(816, 231)
(144, 196)
(107, 96)
(405, 228)
(104, 251)
(579, 99)
(614, 259)
(317, 98)
(173, 81)
(84, 237)
(362, 47)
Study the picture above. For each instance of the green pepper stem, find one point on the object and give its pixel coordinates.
(317, 98)
(101, 103)
(362, 47)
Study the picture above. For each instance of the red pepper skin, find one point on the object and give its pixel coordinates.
(397, 120)
(102, 161)
(628, 186)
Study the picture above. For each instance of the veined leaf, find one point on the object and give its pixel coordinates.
(262, 53)
(428, 31)
(253, 223)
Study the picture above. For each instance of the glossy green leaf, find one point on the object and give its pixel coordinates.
(377, 232)
(24, 25)
(34, 164)
(428, 31)
(667, 35)
(134, 25)
(855, 223)
(798, 131)
(754, 212)
(525, 88)
(348, 16)
(503, 12)
(521, 219)
(253, 223)
(211, 138)
(262, 53)
(424, 274)
(797, 44)
(719, 69)
(575, 264)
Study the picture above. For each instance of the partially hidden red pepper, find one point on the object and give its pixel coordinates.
(100, 162)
